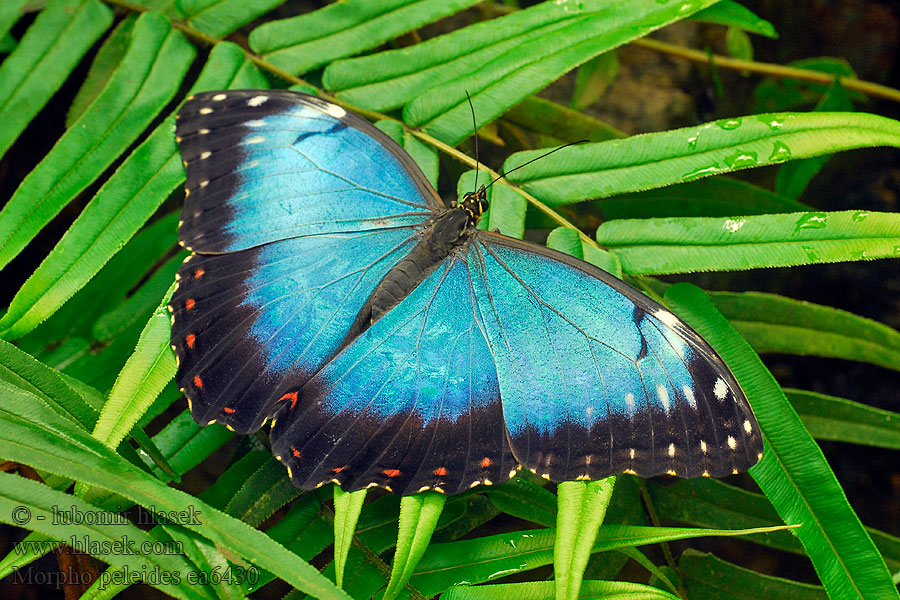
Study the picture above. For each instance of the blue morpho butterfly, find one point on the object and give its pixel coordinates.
(392, 343)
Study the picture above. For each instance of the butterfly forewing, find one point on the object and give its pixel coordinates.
(296, 209)
(597, 379)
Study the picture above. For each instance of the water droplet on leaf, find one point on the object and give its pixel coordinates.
(701, 172)
(812, 220)
(741, 159)
(733, 225)
(780, 152)
(729, 123)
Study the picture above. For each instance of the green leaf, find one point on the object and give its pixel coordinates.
(705, 576)
(261, 492)
(711, 197)
(587, 171)
(34, 435)
(783, 94)
(418, 518)
(43, 503)
(655, 246)
(218, 18)
(712, 503)
(839, 420)
(582, 506)
(733, 14)
(793, 473)
(148, 369)
(102, 68)
(347, 506)
(525, 500)
(387, 80)
(544, 590)
(24, 372)
(48, 52)
(109, 288)
(564, 124)
(491, 557)
(505, 81)
(776, 324)
(145, 81)
(794, 176)
(10, 12)
(738, 44)
(124, 203)
(302, 43)
(568, 240)
(592, 79)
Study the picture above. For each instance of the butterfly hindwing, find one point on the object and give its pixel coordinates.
(598, 379)
(296, 210)
(411, 404)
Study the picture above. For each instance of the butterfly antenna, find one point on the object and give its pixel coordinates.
(534, 159)
(475, 132)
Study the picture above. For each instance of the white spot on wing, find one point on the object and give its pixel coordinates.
(336, 111)
(256, 123)
(672, 450)
(663, 394)
(667, 318)
(205, 110)
(732, 443)
(203, 131)
(257, 100)
(720, 389)
(748, 427)
(689, 394)
(256, 139)
(629, 402)
(219, 97)
(631, 453)
(205, 155)
(702, 446)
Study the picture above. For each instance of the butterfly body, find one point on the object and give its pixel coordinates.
(393, 343)
(446, 233)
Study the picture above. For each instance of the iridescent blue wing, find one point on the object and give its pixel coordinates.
(598, 379)
(411, 404)
(295, 209)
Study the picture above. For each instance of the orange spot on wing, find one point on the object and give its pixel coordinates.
(190, 340)
(339, 469)
(292, 397)
(391, 472)
(295, 452)
(440, 471)
(228, 410)
(485, 462)
(199, 273)
(198, 383)
(188, 304)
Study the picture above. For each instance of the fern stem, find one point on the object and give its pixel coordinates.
(772, 70)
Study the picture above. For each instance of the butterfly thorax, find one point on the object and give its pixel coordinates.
(444, 233)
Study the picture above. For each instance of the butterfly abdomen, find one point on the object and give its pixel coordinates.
(440, 238)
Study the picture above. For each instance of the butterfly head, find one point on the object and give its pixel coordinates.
(475, 204)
